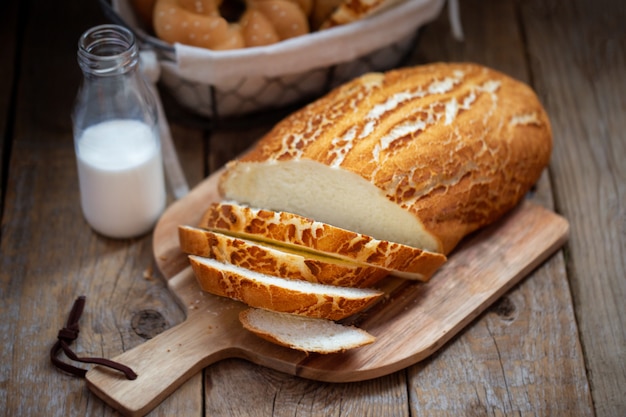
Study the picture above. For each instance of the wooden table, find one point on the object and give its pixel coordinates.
(553, 345)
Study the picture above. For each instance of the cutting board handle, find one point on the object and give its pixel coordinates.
(164, 362)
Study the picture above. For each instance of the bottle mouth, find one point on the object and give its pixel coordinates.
(107, 49)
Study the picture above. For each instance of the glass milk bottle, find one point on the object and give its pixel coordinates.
(116, 137)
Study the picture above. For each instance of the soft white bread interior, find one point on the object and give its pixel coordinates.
(305, 234)
(304, 333)
(278, 294)
(421, 156)
(278, 261)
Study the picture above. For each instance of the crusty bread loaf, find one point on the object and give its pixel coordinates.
(282, 262)
(284, 228)
(278, 294)
(420, 156)
(304, 333)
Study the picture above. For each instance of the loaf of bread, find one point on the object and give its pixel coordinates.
(419, 156)
(389, 171)
(305, 234)
(304, 333)
(279, 294)
(278, 261)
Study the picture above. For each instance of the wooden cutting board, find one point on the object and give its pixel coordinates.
(411, 323)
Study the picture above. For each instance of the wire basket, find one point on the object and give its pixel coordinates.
(220, 84)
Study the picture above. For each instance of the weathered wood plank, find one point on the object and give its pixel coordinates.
(528, 341)
(520, 358)
(9, 35)
(50, 255)
(33, 281)
(578, 55)
(271, 393)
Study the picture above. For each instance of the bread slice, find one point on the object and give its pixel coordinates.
(305, 234)
(279, 294)
(272, 260)
(304, 333)
(421, 156)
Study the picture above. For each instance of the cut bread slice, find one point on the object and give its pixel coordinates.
(279, 294)
(272, 260)
(304, 333)
(295, 231)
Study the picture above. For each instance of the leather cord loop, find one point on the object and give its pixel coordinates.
(70, 333)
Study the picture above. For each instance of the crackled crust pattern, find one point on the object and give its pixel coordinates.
(292, 229)
(279, 262)
(311, 302)
(456, 145)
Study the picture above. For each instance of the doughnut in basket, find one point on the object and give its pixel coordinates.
(233, 24)
(211, 23)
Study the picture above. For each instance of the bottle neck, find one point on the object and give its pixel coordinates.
(107, 50)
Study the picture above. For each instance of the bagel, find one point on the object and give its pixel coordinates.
(201, 23)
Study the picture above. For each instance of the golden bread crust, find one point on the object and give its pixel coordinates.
(455, 144)
(278, 262)
(247, 288)
(287, 228)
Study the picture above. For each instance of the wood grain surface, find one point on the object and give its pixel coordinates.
(553, 345)
(411, 323)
